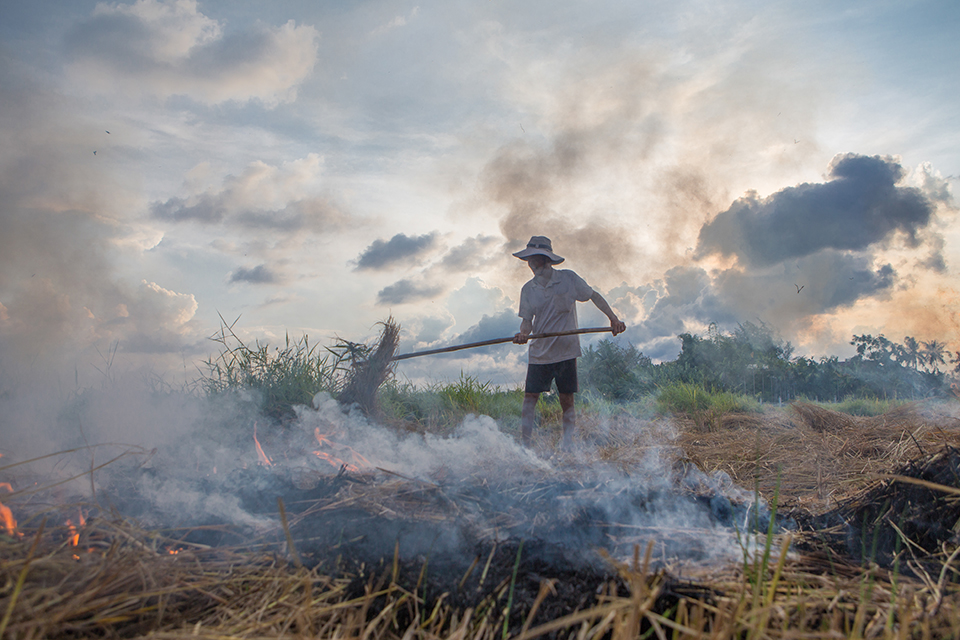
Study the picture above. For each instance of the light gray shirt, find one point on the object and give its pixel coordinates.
(554, 308)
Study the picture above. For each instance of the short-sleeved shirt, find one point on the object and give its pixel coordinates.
(554, 308)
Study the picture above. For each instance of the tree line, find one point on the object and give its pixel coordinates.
(753, 360)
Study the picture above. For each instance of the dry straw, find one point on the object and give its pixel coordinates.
(120, 581)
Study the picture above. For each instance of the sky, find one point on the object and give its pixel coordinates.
(314, 168)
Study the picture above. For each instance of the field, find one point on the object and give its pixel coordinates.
(854, 535)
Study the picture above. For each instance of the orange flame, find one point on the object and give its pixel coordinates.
(74, 534)
(261, 456)
(324, 440)
(6, 515)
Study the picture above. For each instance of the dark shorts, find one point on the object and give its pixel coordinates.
(539, 377)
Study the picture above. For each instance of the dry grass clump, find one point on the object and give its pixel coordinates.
(123, 582)
(368, 374)
(813, 456)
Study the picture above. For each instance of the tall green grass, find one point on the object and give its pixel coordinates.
(443, 406)
(276, 379)
(693, 400)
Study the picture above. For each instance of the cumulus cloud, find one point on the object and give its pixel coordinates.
(406, 291)
(498, 325)
(400, 249)
(861, 205)
(470, 254)
(262, 197)
(260, 274)
(171, 48)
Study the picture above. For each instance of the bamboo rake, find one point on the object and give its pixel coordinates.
(484, 343)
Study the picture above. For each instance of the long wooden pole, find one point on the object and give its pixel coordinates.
(484, 343)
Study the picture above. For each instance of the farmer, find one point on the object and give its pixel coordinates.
(548, 303)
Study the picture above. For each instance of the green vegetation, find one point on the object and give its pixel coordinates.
(713, 375)
(442, 406)
(692, 399)
(276, 380)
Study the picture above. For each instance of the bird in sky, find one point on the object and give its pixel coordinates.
(801, 286)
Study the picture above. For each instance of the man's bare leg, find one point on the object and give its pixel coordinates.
(569, 420)
(528, 414)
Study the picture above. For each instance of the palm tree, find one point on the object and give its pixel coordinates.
(933, 353)
(909, 354)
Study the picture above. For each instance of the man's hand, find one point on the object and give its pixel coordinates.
(617, 326)
(526, 328)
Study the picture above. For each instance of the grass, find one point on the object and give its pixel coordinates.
(704, 407)
(863, 406)
(275, 379)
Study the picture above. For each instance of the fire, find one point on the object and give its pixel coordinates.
(6, 515)
(261, 456)
(74, 533)
(323, 439)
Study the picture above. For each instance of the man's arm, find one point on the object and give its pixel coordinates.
(526, 328)
(615, 324)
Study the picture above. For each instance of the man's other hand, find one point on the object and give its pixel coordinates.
(617, 326)
(520, 338)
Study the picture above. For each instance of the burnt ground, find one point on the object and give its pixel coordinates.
(908, 520)
(460, 540)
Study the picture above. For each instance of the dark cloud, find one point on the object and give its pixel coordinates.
(260, 274)
(398, 249)
(830, 280)
(692, 297)
(686, 294)
(503, 324)
(860, 206)
(207, 209)
(404, 291)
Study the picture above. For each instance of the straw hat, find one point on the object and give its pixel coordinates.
(539, 246)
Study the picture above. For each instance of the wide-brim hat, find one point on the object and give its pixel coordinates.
(539, 246)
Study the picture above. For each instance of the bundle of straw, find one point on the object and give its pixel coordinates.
(366, 376)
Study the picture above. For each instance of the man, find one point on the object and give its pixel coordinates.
(548, 304)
